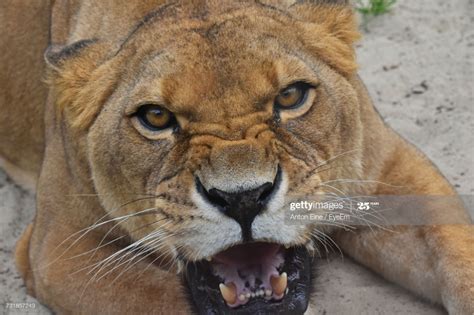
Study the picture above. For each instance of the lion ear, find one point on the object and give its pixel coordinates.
(329, 28)
(285, 4)
(57, 55)
(338, 2)
(78, 80)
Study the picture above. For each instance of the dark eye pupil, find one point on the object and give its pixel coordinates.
(287, 92)
(155, 118)
(292, 97)
(155, 112)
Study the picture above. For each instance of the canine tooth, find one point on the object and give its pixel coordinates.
(262, 292)
(242, 297)
(228, 292)
(179, 266)
(279, 283)
(209, 259)
(268, 292)
(252, 295)
(287, 246)
(248, 295)
(310, 248)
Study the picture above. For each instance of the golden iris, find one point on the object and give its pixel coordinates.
(155, 117)
(292, 96)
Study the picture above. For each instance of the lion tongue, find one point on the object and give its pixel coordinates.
(250, 271)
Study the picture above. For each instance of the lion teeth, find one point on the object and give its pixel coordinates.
(310, 248)
(279, 283)
(179, 267)
(279, 287)
(229, 292)
(209, 259)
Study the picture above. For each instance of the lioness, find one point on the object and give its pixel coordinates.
(169, 140)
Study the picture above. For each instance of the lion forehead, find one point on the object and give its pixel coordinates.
(194, 73)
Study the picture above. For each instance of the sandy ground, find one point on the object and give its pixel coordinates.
(417, 62)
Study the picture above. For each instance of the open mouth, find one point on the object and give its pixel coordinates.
(252, 278)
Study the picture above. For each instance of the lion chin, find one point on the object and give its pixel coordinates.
(175, 137)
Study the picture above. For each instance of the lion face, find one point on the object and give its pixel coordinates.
(220, 122)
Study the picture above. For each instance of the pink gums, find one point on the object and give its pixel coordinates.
(249, 268)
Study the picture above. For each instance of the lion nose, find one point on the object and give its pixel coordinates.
(242, 206)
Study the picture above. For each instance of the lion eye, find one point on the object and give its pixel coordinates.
(293, 96)
(155, 117)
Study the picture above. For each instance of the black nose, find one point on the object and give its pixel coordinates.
(242, 206)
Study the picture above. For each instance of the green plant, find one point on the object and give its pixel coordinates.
(374, 7)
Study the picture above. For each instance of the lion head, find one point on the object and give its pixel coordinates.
(218, 115)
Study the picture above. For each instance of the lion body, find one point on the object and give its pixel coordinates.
(22, 67)
(435, 262)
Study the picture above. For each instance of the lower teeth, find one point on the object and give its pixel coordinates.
(233, 298)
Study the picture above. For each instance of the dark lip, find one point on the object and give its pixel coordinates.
(204, 295)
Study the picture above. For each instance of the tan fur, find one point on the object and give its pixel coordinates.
(217, 66)
(22, 95)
